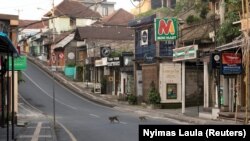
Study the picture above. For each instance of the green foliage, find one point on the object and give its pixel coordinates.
(192, 19)
(70, 65)
(79, 73)
(103, 85)
(204, 11)
(115, 54)
(183, 5)
(202, 8)
(154, 11)
(228, 31)
(132, 99)
(153, 95)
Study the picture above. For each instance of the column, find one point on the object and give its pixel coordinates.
(225, 94)
(183, 87)
(206, 88)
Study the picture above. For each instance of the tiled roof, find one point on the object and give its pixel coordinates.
(73, 9)
(119, 17)
(197, 31)
(8, 17)
(28, 24)
(105, 33)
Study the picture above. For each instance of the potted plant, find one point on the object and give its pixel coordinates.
(154, 97)
(103, 85)
(132, 99)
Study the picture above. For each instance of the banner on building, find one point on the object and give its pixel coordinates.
(166, 29)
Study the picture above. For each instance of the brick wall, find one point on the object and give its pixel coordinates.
(149, 74)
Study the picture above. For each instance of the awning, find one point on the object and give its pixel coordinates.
(6, 45)
(65, 41)
(232, 45)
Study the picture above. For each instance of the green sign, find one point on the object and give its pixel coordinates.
(20, 63)
(166, 29)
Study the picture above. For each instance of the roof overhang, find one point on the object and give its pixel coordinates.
(6, 45)
(232, 45)
(65, 41)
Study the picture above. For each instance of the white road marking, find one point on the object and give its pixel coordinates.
(69, 133)
(48, 94)
(93, 115)
(72, 92)
(123, 122)
(26, 102)
(41, 127)
(30, 136)
(31, 113)
(37, 132)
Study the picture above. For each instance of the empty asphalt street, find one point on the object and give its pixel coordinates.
(77, 117)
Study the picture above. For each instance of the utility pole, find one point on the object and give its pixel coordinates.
(245, 10)
(52, 51)
(247, 63)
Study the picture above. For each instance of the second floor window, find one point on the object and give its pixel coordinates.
(72, 22)
(105, 11)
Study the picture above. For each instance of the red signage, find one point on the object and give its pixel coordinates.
(231, 63)
(231, 58)
(61, 55)
(164, 28)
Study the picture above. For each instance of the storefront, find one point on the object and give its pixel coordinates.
(127, 77)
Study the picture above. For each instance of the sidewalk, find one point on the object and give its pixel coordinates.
(190, 116)
(31, 125)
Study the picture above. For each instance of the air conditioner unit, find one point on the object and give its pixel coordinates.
(144, 37)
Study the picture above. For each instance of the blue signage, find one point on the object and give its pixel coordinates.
(166, 48)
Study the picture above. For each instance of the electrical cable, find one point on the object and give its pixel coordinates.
(141, 3)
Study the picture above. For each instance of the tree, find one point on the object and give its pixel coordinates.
(228, 31)
(153, 95)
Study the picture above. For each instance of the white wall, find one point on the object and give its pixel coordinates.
(170, 74)
(84, 22)
(61, 24)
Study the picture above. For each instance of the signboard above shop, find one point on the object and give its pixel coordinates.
(114, 61)
(166, 29)
(185, 53)
(231, 63)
